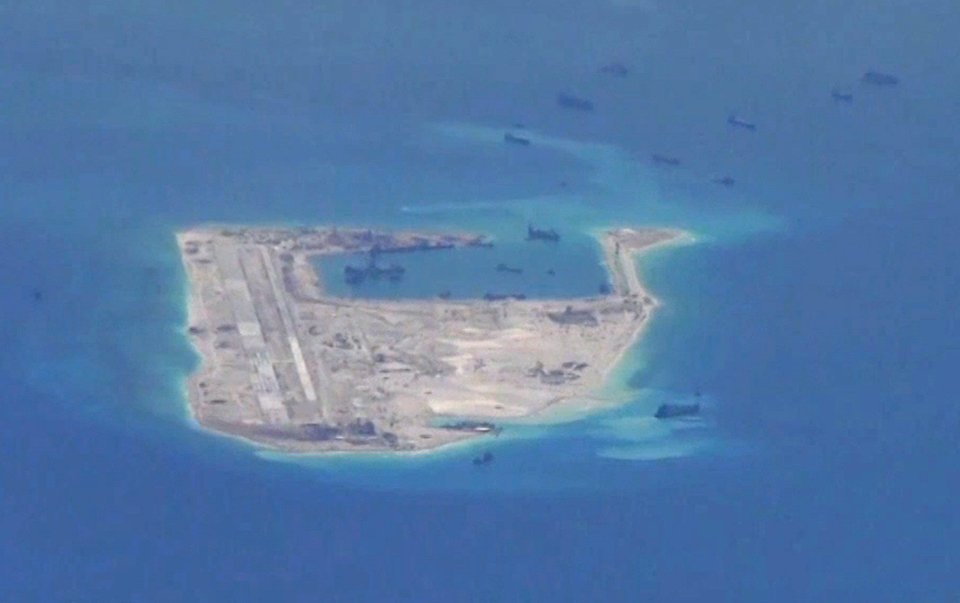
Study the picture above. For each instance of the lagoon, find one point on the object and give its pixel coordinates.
(570, 268)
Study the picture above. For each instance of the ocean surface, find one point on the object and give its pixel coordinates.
(816, 308)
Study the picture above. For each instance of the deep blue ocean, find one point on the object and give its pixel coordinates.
(817, 309)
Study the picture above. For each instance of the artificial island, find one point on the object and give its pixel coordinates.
(287, 365)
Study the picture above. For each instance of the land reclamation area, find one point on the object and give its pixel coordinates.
(288, 365)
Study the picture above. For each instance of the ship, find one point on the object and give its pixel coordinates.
(510, 138)
(475, 426)
(490, 296)
(665, 159)
(542, 234)
(569, 101)
(484, 459)
(725, 181)
(511, 269)
(353, 275)
(673, 411)
(615, 69)
(841, 97)
(737, 122)
(878, 78)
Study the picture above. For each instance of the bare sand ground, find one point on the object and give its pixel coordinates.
(288, 367)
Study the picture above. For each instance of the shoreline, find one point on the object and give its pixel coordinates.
(621, 267)
(604, 398)
(677, 237)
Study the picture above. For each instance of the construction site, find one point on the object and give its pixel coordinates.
(288, 366)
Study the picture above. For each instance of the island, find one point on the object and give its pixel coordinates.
(287, 365)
